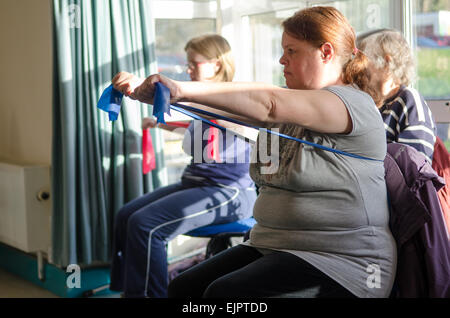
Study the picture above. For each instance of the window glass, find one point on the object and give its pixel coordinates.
(431, 20)
(366, 15)
(266, 48)
(432, 31)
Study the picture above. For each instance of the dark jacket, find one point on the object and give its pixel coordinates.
(416, 221)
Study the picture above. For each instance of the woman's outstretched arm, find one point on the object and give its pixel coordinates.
(317, 110)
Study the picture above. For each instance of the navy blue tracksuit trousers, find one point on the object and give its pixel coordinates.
(144, 226)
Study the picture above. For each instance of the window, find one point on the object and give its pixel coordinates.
(431, 21)
(366, 15)
(257, 37)
(266, 34)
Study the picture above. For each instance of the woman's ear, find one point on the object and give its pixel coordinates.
(217, 66)
(327, 52)
(388, 59)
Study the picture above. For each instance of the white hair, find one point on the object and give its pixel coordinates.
(382, 43)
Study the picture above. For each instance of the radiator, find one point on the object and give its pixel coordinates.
(25, 207)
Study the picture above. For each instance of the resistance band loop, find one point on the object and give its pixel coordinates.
(163, 94)
(111, 99)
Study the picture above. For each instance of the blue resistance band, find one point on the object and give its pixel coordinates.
(162, 94)
(110, 102)
(162, 106)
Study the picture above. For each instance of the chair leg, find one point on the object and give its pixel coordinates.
(217, 244)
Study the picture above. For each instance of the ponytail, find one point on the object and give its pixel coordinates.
(358, 71)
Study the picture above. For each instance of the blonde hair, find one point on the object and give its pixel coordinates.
(214, 46)
(318, 25)
(379, 44)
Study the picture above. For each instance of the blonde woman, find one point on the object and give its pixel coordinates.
(407, 117)
(212, 190)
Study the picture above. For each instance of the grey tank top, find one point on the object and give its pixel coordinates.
(328, 209)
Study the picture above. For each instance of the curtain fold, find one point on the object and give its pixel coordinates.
(97, 164)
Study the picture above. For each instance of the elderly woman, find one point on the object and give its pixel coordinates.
(407, 117)
(322, 218)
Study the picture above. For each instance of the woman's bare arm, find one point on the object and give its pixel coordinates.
(317, 110)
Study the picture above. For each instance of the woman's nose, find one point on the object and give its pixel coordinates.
(282, 60)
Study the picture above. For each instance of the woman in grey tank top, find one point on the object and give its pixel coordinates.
(322, 218)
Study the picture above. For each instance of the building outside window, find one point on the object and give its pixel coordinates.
(431, 21)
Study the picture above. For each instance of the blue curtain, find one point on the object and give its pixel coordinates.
(97, 164)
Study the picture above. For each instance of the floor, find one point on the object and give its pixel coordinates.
(13, 286)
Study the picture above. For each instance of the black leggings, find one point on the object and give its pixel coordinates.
(242, 271)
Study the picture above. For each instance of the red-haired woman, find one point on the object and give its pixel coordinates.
(322, 218)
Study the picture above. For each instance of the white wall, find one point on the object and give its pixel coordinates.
(25, 81)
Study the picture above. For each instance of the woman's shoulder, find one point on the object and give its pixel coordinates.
(354, 99)
(363, 112)
(352, 92)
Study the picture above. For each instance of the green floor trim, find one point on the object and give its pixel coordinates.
(55, 278)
